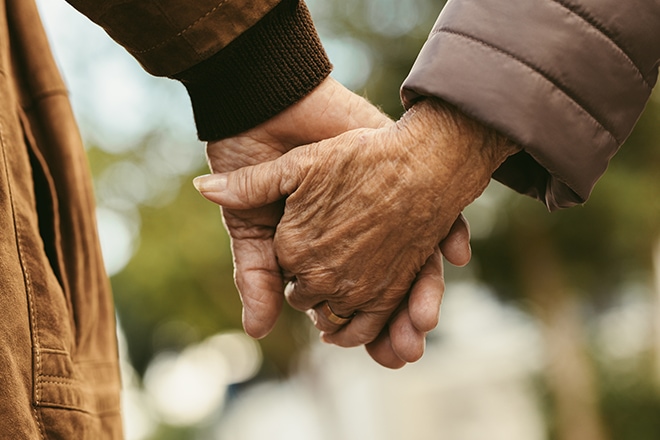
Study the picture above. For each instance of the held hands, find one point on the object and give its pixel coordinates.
(329, 110)
(365, 212)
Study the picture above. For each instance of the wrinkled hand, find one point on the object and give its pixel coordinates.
(329, 110)
(365, 211)
(404, 338)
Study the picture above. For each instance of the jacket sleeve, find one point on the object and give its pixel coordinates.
(241, 61)
(565, 79)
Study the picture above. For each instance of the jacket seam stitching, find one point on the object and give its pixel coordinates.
(62, 381)
(56, 376)
(57, 351)
(600, 27)
(73, 407)
(182, 32)
(29, 292)
(565, 90)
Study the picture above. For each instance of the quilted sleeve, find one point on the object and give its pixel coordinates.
(565, 79)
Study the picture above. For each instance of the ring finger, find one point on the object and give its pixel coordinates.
(326, 320)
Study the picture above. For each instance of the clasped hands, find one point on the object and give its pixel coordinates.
(353, 212)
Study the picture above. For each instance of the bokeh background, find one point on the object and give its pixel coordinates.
(551, 332)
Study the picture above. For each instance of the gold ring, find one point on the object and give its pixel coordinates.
(332, 316)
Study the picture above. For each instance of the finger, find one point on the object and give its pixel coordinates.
(429, 287)
(257, 185)
(456, 246)
(262, 298)
(301, 298)
(426, 294)
(407, 341)
(259, 283)
(363, 329)
(325, 319)
(381, 351)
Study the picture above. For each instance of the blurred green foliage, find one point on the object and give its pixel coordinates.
(605, 243)
(589, 255)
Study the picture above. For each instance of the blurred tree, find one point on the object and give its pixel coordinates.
(558, 264)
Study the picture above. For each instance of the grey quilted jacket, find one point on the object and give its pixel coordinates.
(566, 79)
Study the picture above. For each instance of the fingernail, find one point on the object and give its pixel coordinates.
(210, 183)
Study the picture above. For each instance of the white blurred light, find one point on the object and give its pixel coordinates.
(242, 353)
(351, 59)
(125, 182)
(624, 332)
(187, 388)
(393, 17)
(171, 158)
(117, 237)
(114, 99)
(139, 424)
(137, 415)
(274, 411)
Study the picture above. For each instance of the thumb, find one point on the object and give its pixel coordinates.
(456, 246)
(254, 186)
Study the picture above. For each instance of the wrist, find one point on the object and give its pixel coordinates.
(329, 110)
(463, 139)
(464, 152)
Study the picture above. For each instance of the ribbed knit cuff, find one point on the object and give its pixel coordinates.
(271, 66)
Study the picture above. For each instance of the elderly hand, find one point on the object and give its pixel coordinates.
(366, 210)
(329, 110)
(403, 339)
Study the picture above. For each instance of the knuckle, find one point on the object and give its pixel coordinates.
(320, 282)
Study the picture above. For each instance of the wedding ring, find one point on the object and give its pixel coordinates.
(332, 316)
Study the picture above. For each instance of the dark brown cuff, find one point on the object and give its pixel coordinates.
(271, 66)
